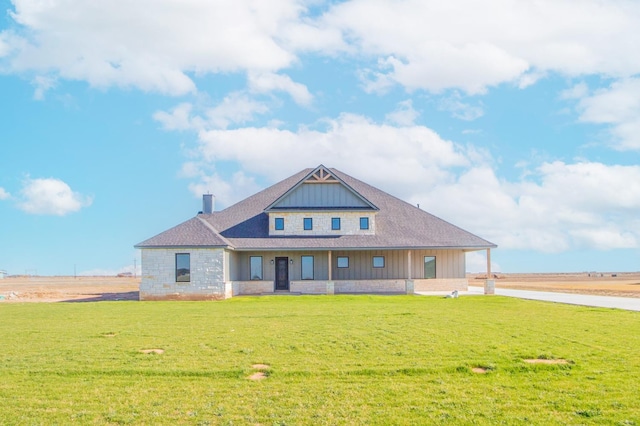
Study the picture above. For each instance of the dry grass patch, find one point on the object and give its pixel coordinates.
(261, 366)
(546, 361)
(156, 351)
(260, 375)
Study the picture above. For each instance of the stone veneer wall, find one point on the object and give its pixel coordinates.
(446, 284)
(371, 286)
(349, 223)
(159, 275)
(308, 287)
(252, 287)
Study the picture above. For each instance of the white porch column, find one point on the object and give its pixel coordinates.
(408, 283)
(489, 284)
(330, 284)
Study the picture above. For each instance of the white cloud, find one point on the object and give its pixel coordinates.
(51, 197)
(619, 107)
(462, 44)
(557, 208)
(577, 91)
(236, 108)
(468, 45)
(179, 118)
(4, 195)
(151, 45)
(269, 82)
(42, 85)
(404, 115)
(460, 109)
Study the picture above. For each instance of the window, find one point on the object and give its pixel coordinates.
(307, 267)
(308, 224)
(343, 262)
(183, 267)
(335, 223)
(255, 263)
(429, 267)
(279, 223)
(364, 223)
(378, 261)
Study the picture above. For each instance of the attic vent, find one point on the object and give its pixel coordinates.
(322, 176)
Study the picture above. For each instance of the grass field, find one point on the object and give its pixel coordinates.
(327, 360)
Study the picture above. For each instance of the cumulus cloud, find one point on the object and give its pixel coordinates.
(269, 82)
(464, 44)
(236, 108)
(50, 197)
(619, 107)
(4, 195)
(404, 115)
(557, 207)
(151, 45)
(166, 45)
(459, 109)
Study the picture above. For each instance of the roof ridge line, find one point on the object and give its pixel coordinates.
(214, 230)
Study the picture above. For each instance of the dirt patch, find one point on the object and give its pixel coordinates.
(258, 376)
(546, 361)
(621, 284)
(479, 370)
(261, 366)
(152, 351)
(19, 289)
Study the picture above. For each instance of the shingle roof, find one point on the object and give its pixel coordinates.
(245, 225)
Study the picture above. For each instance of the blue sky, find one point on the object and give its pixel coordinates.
(517, 121)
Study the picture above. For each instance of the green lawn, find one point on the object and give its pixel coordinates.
(333, 360)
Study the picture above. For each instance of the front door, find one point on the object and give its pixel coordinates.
(282, 273)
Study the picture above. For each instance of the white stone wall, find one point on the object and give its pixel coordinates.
(159, 275)
(370, 286)
(450, 284)
(349, 223)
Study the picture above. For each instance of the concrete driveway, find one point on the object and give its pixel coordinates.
(628, 303)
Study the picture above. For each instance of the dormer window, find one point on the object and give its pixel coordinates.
(335, 223)
(364, 223)
(307, 224)
(279, 224)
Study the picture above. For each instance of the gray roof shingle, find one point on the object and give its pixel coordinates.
(245, 225)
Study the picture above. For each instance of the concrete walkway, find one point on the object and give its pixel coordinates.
(628, 303)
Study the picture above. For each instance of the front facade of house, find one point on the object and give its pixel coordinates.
(318, 232)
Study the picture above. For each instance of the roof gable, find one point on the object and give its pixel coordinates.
(321, 189)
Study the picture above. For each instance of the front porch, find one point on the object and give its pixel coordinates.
(347, 272)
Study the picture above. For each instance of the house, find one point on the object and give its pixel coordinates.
(319, 231)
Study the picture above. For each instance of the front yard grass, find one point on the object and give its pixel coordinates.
(326, 360)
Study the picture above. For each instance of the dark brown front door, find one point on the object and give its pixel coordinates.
(282, 273)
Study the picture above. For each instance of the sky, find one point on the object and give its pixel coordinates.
(517, 121)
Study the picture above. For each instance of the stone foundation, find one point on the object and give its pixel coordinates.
(441, 284)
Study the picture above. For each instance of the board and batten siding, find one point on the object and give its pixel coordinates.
(320, 264)
(449, 264)
(310, 195)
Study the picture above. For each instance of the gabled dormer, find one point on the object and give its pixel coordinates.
(321, 204)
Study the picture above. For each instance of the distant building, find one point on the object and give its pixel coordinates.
(319, 231)
(2, 274)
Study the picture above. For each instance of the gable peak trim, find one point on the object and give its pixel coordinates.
(321, 175)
